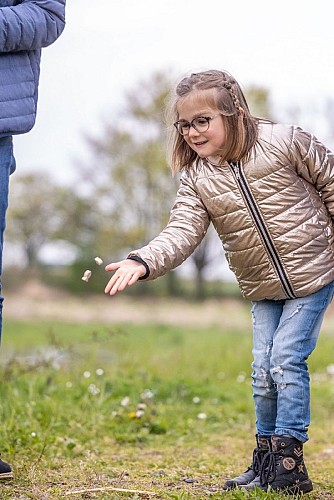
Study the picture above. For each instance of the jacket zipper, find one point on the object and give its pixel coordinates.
(251, 204)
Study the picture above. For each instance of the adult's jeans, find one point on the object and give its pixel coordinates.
(7, 166)
(285, 333)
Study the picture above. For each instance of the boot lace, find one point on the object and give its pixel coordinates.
(258, 456)
(268, 467)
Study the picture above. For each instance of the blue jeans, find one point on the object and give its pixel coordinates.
(7, 166)
(285, 332)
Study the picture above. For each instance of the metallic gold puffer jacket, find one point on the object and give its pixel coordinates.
(274, 215)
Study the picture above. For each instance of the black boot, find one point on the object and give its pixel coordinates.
(5, 471)
(263, 446)
(283, 469)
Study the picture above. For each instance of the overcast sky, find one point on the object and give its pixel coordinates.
(109, 46)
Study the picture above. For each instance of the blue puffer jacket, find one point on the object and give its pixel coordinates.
(26, 26)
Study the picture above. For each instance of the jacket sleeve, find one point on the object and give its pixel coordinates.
(187, 226)
(31, 24)
(315, 164)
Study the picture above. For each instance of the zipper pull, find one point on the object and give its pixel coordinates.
(236, 169)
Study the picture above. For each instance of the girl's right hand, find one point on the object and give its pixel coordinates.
(127, 273)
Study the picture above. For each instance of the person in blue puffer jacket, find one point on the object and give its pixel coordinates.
(26, 26)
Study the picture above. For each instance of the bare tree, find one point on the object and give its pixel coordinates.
(42, 212)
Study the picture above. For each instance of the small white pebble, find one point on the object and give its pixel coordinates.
(87, 275)
(98, 261)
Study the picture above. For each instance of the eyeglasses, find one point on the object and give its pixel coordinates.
(200, 124)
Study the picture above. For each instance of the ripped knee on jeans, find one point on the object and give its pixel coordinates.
(263, 379)
(278, 377)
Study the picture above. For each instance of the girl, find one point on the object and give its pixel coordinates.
(268, 189)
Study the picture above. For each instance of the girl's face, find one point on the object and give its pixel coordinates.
(210, 142)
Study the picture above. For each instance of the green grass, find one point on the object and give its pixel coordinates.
(155, 408)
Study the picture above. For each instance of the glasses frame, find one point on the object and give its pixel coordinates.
(191, 124)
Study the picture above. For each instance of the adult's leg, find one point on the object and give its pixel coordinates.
(7, 166)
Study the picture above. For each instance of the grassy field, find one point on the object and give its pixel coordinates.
(135, 409)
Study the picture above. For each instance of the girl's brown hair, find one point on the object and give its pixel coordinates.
(224, 93)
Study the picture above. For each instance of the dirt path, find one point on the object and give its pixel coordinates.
(36, 301)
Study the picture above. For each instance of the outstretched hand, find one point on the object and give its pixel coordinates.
(127, 273)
